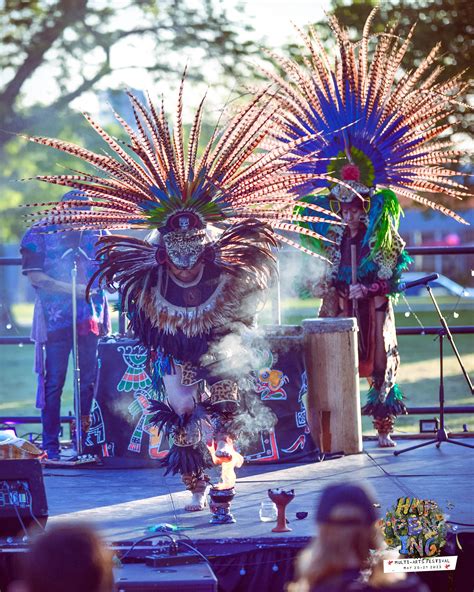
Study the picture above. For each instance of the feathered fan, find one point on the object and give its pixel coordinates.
(370, 113)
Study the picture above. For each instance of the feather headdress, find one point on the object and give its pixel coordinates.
(369, 113)
(142, 182)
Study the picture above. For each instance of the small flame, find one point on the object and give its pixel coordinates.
(228, 476)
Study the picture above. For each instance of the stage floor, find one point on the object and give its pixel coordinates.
(123, 503)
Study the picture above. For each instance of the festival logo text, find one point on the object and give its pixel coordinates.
(416, 526)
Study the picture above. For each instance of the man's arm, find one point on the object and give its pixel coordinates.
(39, 279)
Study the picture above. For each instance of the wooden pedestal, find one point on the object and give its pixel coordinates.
(331, 360)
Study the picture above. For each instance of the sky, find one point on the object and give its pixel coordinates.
(272, 18)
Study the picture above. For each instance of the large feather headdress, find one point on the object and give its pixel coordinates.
(142, 182)
(384, 123)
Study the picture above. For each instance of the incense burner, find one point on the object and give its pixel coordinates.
(220, 505)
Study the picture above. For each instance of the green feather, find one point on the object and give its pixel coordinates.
(384, 220)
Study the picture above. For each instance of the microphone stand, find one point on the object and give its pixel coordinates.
(75, 357)
(442, 434)
(76, 251)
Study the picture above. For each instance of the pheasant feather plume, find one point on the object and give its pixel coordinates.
(371, 112)
(156, 172)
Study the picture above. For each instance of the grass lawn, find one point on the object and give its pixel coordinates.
(418, 376)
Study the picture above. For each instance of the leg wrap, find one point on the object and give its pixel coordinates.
(224, 407)
(224, 392)
(196, 483)
(384, 425)
(189, 373)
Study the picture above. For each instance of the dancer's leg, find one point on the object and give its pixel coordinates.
(383, 425)
(182, 399)
(197, 485)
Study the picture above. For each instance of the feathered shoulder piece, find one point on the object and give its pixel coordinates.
(372, 114)
(144, 181)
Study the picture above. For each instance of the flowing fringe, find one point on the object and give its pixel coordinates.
(187, 460)
(393, 405)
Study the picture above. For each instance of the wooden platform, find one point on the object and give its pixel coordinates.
(124, 503)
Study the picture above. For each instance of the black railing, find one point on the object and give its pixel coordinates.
(19, 419)
(466, 250)
(10, 260)
(456, 330)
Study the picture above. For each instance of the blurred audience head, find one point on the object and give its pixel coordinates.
(347, 532)
(67, 558)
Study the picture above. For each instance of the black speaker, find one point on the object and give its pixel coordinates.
(22, 497)
(139, 577)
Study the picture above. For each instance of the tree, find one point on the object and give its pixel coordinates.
(74, 46)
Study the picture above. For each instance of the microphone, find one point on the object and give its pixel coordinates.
(402, 286)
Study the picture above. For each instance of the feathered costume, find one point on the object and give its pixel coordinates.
(155, 180)
(379, 134)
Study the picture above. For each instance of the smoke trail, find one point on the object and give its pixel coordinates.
(121, 407)
(253, 418)
(301, 275)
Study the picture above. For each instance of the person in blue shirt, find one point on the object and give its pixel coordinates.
(47, 260)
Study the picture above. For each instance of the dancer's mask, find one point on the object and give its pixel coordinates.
(184, 238)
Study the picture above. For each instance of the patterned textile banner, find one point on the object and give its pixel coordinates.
(120, 420)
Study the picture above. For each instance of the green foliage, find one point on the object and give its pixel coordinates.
(24, 160)
(72, 46)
